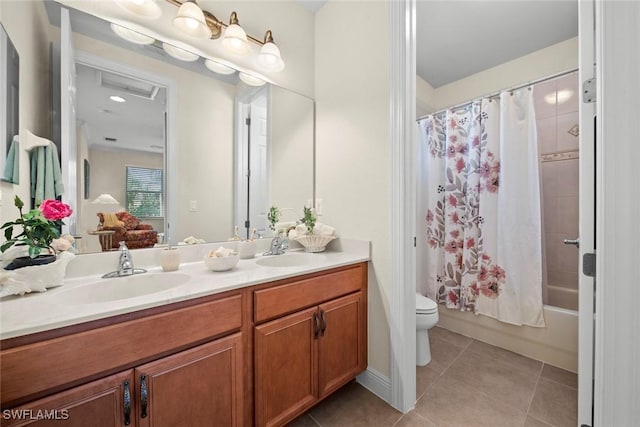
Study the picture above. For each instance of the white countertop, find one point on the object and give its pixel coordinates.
(37, 312)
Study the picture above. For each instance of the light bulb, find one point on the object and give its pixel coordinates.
(251, 80)
(219, 68)
(178, 53)
(131, 36)
(190, 19)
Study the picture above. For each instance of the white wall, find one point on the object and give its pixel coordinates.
(544, 62)
(353, 157)
(291, 118)
(27, 26)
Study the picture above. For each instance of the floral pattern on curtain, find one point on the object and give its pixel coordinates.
(467, 216)
(455, 223)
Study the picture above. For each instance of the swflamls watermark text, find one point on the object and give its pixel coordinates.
(35, 414)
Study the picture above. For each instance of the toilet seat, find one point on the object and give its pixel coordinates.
(425, 305)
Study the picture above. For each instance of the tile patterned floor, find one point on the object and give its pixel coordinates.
(468, 383)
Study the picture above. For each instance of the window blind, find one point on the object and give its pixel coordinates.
(145, 192)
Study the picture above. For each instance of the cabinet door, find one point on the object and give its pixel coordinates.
(100, 403)
(342, 343)
(202, 386)
(285, 367)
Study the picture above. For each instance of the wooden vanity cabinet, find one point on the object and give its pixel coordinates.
(261, 356)
(100, 403)
(301, 358)
(197, 387)
(180, 367)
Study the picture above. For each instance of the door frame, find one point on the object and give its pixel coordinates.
(586, 224)
(617, 323)
(403, 147)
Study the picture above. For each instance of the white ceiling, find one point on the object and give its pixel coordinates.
(456, 39)
(137, 124)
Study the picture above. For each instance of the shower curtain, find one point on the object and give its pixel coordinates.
(482, 209)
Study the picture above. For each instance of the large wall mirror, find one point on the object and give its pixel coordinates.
(189, 152)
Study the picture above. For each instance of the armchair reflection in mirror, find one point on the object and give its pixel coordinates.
(126, 228)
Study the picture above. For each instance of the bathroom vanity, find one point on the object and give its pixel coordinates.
(215, 351)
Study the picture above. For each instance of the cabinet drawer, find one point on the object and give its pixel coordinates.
(287, 298)
(30, 370)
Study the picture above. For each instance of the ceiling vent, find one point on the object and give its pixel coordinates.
(127, 84)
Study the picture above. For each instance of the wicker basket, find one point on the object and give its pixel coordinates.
(313, 243)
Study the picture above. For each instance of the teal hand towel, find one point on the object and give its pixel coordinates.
(46, 178)
(12, 166)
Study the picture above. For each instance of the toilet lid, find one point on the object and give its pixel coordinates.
(425, 305)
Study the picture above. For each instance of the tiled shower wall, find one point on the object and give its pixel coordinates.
(556, 107)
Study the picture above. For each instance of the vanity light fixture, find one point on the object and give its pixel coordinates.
(199, 23)
(217, 67)
(178, 53)
(269, 57)
(131, 36)
(251, 80)
(143, 8)
(190, 19)
(234, 38)
(116, 98)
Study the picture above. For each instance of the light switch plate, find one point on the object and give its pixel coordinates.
(193, 205)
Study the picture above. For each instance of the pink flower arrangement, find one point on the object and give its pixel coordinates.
(40, 227)
(54, 210)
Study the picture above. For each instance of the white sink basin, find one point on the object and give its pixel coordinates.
(288, 260)
(119, 288)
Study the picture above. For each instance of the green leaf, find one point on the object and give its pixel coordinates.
(8, 233)
(6, 245)
(18, 202)
(34, 251)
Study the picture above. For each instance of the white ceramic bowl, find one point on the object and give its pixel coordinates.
(221, 263)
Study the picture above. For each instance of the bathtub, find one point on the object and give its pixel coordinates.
(556, 344)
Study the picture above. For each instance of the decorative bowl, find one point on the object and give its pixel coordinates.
(221, 263)
(313, 243)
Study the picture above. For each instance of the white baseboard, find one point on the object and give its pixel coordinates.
(376, 383)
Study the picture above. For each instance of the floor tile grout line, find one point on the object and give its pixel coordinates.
(314, 420)
(559, 383)
(425, 418)
(457, 357)
(533, 395)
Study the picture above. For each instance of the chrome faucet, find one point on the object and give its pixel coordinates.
(125, 264)
(278, 245)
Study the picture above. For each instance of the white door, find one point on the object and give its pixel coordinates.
(68, 119)
(586, 210)
(259, 178)
(252, 164)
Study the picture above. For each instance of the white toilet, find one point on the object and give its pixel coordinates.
(426, 318)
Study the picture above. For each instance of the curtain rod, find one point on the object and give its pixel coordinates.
(494, 94)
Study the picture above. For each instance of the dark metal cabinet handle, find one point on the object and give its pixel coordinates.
(316, 325)
(144, 396)
(127, 403)
(324, 322)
